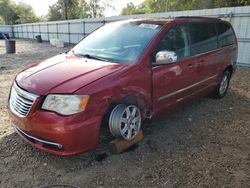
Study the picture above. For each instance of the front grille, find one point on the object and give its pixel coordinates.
(21, 101)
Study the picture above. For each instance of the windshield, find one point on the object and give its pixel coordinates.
(117, 42)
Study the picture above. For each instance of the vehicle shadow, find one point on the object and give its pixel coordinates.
(185, 134)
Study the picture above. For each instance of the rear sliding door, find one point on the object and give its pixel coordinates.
(204, 47)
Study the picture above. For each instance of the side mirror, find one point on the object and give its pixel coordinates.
(165, 57)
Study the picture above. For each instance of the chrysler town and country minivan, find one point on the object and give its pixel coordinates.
(126, 72)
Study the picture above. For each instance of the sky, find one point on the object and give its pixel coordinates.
(41, 7)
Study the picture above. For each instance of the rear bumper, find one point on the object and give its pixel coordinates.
(59, 135)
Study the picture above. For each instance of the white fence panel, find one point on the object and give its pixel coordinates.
(72, 31)
(6, 29)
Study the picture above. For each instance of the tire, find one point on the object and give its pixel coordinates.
(125, 121)
(223, 85)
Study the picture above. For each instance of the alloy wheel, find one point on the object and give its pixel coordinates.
(125, 121)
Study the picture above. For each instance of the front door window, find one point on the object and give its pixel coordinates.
(176, 40)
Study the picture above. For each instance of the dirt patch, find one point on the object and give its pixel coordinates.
(205, 144)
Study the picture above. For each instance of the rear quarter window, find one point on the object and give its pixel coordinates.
(225, 35)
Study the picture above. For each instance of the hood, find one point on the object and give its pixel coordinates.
(64, 74)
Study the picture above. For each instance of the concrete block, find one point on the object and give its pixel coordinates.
(59, 43)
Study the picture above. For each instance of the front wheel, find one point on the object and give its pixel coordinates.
(125, 121)
(222, 87)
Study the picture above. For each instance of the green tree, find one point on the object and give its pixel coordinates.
(129, 9)
(25, 14)
(194, 4)
(204, 4)
(55, 12)
(12, 13)
(159, 5)
(132, 9)
(67, 9)
(7, 12)
(149, 6)
(153, 6)
(230, 3)
(83, 8)
(73, 9)
(95, 8)
(1, 21)
(70, 8)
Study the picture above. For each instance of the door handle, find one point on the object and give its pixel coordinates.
(190, 66)
(201, 61)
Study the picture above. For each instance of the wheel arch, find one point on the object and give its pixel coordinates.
(128, 98)
(229, 69)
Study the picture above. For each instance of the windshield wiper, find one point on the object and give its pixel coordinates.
(90, 56)
(94, 57)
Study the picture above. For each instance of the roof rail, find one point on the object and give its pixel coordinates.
(204, 17)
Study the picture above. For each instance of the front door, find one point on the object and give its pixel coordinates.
(172, 83)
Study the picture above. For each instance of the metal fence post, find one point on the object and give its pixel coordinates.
(69, 31)
(83, 29)
(12, 31)
(231, 16)
(48, 30)
(27, 30)
(22, 30)
(39, 28)
(33, 31)
(57, 35)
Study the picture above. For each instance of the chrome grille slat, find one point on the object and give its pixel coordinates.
(21, 104)
(21, 101)
(19, 109)
(22, 113)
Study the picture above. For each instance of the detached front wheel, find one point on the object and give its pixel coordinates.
(125, 121)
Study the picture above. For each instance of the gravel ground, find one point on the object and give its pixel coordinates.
(205, 144)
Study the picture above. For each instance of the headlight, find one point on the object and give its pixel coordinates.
(65, 104)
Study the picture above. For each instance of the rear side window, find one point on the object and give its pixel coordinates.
(203, 37)
(225, 35)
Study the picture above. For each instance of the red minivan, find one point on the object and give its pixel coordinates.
(124, 72)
